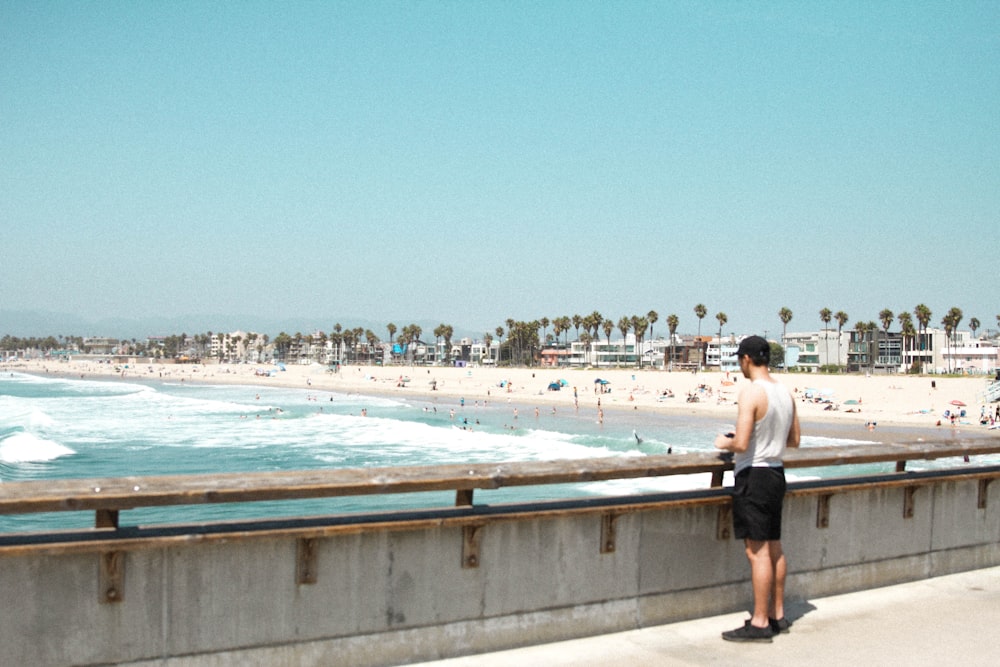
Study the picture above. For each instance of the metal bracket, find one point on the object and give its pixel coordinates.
(608, 532)
(983, 486)
(908, 493)
(724, 522)
(470, 546)
(823, 510)
(306, 560)
(111, 577)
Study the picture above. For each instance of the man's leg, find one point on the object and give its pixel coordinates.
(777, 606)
(762, 579)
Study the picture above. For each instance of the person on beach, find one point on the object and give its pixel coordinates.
(766, 423)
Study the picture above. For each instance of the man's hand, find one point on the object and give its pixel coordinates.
(724, 441)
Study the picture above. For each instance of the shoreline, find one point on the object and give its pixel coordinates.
(899, 406)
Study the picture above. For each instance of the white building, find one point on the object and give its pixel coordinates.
(812, 350)
(973, 358)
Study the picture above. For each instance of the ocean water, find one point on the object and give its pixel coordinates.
(54, 428)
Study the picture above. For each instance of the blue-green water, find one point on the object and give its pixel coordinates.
(61, 428)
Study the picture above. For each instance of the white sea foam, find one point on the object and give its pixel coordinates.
(55, 427)
(38, 419)
(28, 448)
(821, 441)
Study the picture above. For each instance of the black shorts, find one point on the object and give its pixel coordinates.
(757, 497)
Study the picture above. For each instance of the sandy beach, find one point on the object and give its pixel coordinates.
(840, 402)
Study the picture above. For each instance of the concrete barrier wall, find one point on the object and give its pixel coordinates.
(385, 597)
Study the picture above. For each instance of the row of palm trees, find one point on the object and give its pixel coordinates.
(949, 322)
(522, 343)
(523, 336)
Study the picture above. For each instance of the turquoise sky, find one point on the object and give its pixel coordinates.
(468, 162)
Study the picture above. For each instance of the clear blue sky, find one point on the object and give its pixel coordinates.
(467, 162)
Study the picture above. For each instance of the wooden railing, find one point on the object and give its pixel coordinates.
(106, 497)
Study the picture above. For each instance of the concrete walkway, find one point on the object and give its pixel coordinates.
(947, 620)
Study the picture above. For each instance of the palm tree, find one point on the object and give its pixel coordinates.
(672, 323)
(700, 312)
(564, 324)
(545, 325)
(785, 315)
(577, 322)
(358, 335)
(974, 326)
(415, 333)
(444, 331)
(906, 329)
(448, 332)
(624, 324)
(948, 324)
(372, 339)
(653, 317)
(511, 337)
(955, 317)
(885, 316)
(499, 332)
(592, 327)
(391, 328)
(824, 317)
(722, 320)
(585, 340)
(639, 326)
(596, 324)
(842, 319)
(923, 315)
(608, 327)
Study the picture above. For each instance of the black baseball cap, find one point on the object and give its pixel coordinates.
(755, 347)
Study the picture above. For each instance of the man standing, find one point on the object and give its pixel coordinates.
(766, 424)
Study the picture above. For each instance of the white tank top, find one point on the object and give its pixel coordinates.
(770, 433)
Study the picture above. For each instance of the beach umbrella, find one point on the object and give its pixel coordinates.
(958, 403)
(851, 402)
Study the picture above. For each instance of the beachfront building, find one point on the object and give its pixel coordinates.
(972, 358)
(930, 351)
(474, 352)
(100, 345)
(557, 356)
(624, 353)
(875, 351)
(229, 347)
(923, 352)
(720, 354)
(812, 350)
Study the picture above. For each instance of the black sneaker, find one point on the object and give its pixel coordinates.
(779, 625)
(749, 633)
